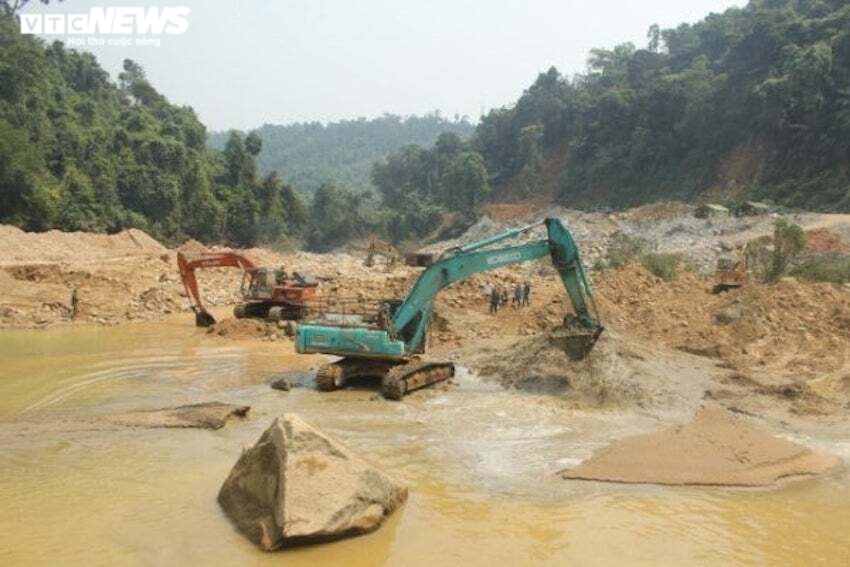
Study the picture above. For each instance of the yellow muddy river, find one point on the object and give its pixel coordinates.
(479, 461)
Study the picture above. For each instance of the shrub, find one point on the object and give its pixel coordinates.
(623, 249)
(662, 265)
(833, 268)
(789, 241)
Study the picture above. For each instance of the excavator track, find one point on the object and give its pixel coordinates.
(397, 379)
(329, 377)
(405, 378)
(335, 375)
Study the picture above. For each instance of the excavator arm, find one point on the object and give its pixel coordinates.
(187, 266)
(410, 319)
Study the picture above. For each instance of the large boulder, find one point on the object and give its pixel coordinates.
(297, 486)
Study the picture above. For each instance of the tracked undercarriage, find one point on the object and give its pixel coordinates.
(269, 311)
(397, 378)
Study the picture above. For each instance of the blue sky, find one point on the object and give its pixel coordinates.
(245, 63)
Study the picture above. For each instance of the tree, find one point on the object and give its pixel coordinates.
(24, 198)
(789, 241)
(134, 81)
(78, 205)
(531, 173)
(465, 183)
(654, 37)
(253, 144)
(240, 165)
(335, 218)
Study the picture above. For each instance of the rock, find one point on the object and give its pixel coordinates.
(296, 486)
(729, 315)
(281, 384)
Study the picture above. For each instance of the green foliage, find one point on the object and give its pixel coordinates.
(759, 257)
(530, 176)
(342, 153)
(624, 249)
(833, 268)
(336, 216)
(78, 152)
(789, 241)
(464, 183)
(416, 184)
(664, 266)
(25, 195)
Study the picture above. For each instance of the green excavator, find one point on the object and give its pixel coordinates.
(388, 342)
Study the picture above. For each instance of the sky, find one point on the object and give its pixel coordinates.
(243, 63)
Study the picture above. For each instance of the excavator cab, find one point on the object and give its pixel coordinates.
(260, 283)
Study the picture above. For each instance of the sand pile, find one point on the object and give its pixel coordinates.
(192, 246)
(58, 246)
(715, 448)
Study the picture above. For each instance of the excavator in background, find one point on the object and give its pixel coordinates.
(378, 247)
(387, 342)
(732, 273)
(268, 293)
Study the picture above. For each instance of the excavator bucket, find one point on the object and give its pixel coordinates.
(577, 345)
(575, 339)
(204, 319)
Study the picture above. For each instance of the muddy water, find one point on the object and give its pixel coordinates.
(480, 463)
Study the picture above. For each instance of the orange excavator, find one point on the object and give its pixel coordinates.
(268, 293)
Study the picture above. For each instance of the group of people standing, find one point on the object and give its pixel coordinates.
(498, 296)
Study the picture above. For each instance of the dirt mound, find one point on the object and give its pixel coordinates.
(715, 449)
(503, 212)
(242, 329)
(58, 246)
(618, 373)
(192, 246)
(654, 212)
(821, 240)
(802, 329)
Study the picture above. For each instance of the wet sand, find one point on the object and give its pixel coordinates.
(714, 449)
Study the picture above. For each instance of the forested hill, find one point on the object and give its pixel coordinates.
(309, 154)
(79, 152)
(751, 102)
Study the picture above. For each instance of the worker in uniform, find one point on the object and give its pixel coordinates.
(495, 299)
(488, 290)
(526, 294)
(75, 303)
(280, 275)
